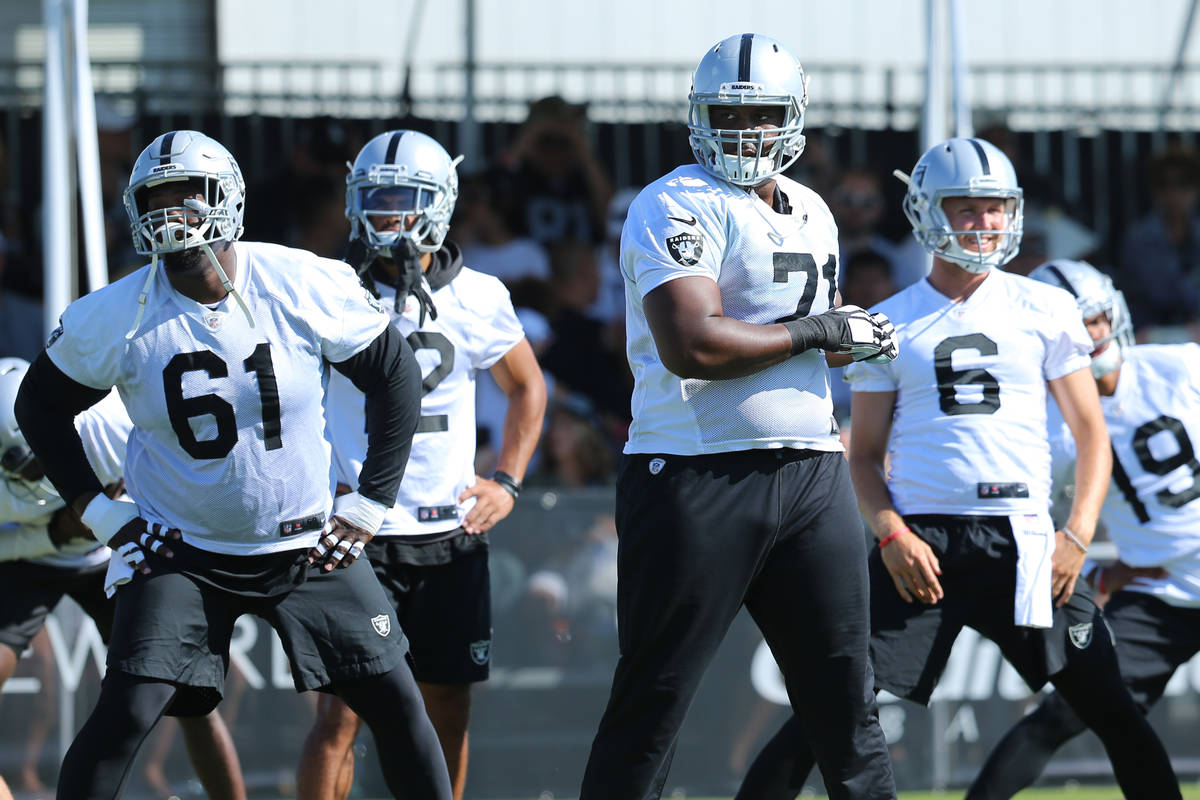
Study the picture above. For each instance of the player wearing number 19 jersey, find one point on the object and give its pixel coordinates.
(221, 358)
(1151, 401)
(733, 489)
(951, 464)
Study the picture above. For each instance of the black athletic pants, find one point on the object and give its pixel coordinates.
(777, 531)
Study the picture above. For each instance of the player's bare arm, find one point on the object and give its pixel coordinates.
(1079, 402)
(909, 560)
(519, 377)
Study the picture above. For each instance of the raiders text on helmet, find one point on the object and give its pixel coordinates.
(1095, 293)
(748, 70)
(963, 168)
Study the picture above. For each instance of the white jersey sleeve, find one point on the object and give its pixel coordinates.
(969, 431)
(768, 266)
(476, 325)
(228, 440)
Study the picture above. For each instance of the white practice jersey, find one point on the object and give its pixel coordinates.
(228, 441)
(104, 429)
(475, 327)
(969, 428)
(1152, 510)
(769, 267)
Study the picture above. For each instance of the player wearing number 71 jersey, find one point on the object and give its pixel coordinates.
(221, 358)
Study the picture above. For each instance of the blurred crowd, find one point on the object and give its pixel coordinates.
(543, 215)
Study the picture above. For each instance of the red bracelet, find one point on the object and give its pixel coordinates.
(885, 541)
(1100, 579)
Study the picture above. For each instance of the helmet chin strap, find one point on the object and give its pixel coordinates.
(226, 284)
(408, 264)
(1107, 361)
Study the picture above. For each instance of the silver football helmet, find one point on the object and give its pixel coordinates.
(400, 174)
(179, 156)
(15, 455)
(748, 70)
(1095, 293)
(963, 168)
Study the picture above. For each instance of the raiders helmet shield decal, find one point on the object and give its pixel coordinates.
(686, 248)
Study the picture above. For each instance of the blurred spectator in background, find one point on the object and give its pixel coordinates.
(487, 239)
(550, 185)
(577, 450)
(581, 357)
(609, 307)
(321, 224)
(114, 134)
(858, 208)
(322, 148)
(866, 280)
(1160, 254)
(21, 333)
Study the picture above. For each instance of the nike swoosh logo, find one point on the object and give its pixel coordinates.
(684, 220)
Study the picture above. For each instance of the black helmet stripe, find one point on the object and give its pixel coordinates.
(164, 152)
(744, 56)
(983, 159)
(393, 146)
(1062, 279)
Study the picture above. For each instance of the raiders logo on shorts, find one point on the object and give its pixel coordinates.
(686, 248)
(481, 651)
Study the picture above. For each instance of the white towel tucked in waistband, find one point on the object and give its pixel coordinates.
(1033, 602)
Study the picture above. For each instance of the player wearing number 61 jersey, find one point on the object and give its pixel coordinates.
(221, 358)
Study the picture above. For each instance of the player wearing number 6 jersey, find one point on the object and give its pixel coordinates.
(1151, 403)
(733, 489)
(221, 358)
(431, 552)
(951, 463)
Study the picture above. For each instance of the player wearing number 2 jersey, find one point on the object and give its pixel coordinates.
(431, 552)
(733, 489)
(951, 463)
(1151, 402)
(221, 358)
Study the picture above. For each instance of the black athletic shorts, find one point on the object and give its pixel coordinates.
(1153, 640)
(911, 642)
(334, 626)
(29, 592)
(446, 609)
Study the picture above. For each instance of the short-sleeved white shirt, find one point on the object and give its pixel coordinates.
(971, 392)
(228, 441)
(768, 266)
(475, 327)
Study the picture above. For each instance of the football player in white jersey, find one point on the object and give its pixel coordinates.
(431, 553)
(733, 489)
(46, 553)
(1151, 400)
(951, 462)
(221, 358)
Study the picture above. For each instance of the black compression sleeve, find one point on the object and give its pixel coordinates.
(387, 373)
(46, 406)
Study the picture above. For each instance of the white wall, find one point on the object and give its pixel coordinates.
(677, 31)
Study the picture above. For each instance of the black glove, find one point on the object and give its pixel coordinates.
(847, 329)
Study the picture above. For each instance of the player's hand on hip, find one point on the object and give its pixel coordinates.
(341, 543)
(914, 568)
(119, 524)
(492, 503)
(1119, 575)
(1065, 567)
(65, 527)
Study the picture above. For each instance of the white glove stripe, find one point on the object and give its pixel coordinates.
(343, 546)
(356, 549)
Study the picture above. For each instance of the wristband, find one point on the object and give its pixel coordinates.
(1100, 580)
(361, 512)
(106, 517)
(1074, 539)
(896, 534)
(510, 484)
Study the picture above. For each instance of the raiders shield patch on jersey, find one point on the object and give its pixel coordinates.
(1081, 635)
(686, 248)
